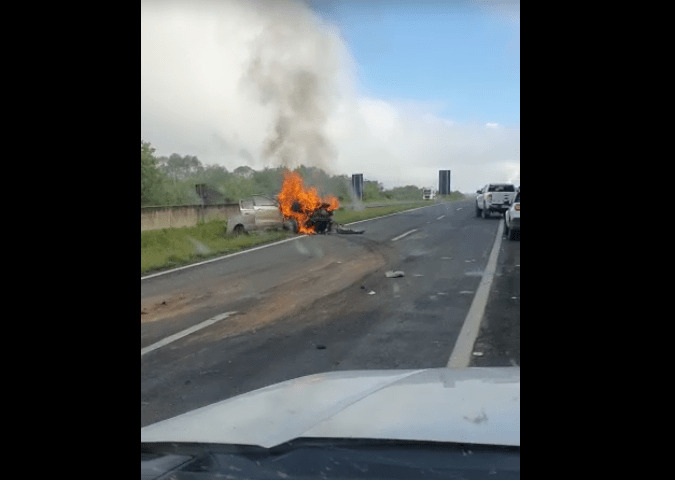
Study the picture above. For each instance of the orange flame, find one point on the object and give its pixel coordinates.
(299, 203)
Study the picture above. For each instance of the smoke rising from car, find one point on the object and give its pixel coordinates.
(292, 71)
(269, 83)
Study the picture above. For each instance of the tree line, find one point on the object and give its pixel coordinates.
(185, 180)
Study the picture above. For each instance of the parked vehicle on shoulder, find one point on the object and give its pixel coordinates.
(494, 197)
(258, 212)
(512, 219)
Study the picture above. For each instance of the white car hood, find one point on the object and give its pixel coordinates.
(473, 405)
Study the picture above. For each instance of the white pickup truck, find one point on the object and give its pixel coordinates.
(494, 197)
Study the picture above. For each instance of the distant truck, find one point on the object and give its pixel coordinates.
(427, 194)
(494, 197)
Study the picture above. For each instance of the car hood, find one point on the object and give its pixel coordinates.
(472, 405)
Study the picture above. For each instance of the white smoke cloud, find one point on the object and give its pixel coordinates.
(260, 83)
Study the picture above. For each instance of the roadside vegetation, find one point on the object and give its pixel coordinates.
(350, 213)
(173, 181)
(175, 247)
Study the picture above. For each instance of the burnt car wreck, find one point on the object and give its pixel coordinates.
(261, 212)
(308, 212)
(321, 220)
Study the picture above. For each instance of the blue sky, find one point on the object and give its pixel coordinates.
(461, 57)
(393, 89)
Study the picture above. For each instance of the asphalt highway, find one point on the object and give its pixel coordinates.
(396, 297)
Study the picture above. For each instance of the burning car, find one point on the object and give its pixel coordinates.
(304, 207)
(295, 208)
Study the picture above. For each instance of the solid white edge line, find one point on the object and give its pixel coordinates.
(217, 259)
(461, 354)
(185, 333)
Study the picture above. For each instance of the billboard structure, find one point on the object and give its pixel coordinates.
(357, 186)
(444, 177)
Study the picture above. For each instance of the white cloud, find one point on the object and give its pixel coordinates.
(238, 82)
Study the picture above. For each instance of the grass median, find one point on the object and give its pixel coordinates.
(176, 247)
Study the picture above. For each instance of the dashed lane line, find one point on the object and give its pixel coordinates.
(185, 333)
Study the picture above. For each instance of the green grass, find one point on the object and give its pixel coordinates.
(175, 247)
(348, 215)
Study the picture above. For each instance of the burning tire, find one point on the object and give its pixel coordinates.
(291, 225)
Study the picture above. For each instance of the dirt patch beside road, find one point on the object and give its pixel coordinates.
(260, 296)
(295, 295)
(198, 295)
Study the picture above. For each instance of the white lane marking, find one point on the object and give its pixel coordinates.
(461, 354)
(220, 258)
(403, 235)
(185, 333)
(269, 245)
(441, 217)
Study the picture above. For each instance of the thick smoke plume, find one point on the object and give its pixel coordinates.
(266, 83)
(292, 72)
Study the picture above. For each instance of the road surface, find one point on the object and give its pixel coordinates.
(322, 303)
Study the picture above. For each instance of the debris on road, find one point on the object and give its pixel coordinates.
(395, 274)
(348, 231)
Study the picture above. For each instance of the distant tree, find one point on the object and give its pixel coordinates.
(244, 171)
(235, 188)
(269, 181)
(171, 181)
(213, 174)
(373, 191)
(409, 192)
(340, 186)
(151, 177)
(177, 167)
